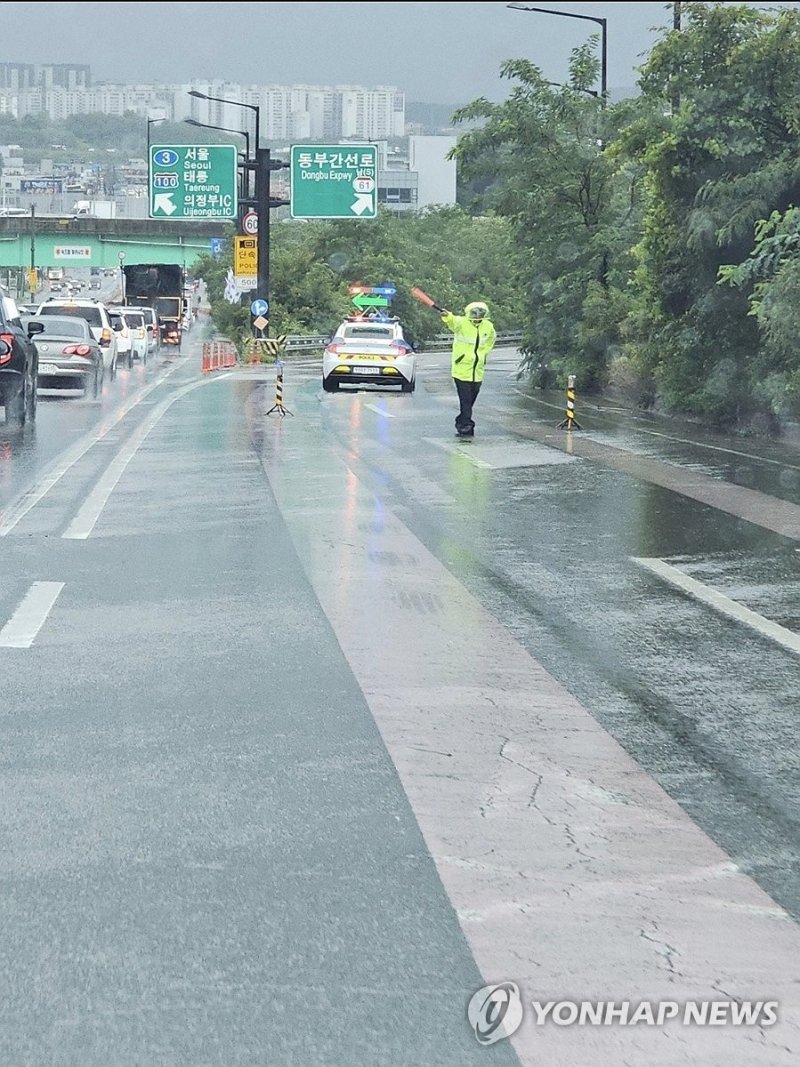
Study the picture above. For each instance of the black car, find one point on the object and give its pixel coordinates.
(19, 363)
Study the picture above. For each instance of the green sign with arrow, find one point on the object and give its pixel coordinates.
(334, 181)
(193, 181)
(363, 301)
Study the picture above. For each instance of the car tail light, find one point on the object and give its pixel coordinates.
(8, 339)
(77, 350)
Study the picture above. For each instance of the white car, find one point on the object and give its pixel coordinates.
(369, 350)
(151, 326)
(135, 321)
(123, 335)
(131, 334)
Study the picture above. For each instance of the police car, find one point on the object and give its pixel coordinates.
(369, 349)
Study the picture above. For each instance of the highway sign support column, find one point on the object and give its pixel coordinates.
(259, 224)
(262, 207)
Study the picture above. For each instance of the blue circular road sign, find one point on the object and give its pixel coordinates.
(165, 157)
(259, 307)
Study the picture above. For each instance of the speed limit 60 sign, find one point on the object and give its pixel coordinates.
(250, 223)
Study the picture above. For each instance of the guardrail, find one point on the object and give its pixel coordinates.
(298, 342)
(444, 340)
(316, 342)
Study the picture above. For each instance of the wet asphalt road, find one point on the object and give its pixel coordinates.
(203, 828)
(547, 541)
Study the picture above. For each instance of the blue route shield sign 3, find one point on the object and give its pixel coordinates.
(193, 181)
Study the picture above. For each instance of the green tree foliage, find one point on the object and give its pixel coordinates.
(96, 137)
(723, 159)
(543, 158)
(771, 276)
(454, 257)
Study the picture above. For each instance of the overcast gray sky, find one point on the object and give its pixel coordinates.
(447, 53)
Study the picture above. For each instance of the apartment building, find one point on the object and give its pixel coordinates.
(409, 179)
(59, 91)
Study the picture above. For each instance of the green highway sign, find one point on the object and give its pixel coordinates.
(334, 181)
(193, 181)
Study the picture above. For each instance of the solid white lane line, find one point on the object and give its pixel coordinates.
(599, 412)
(379, 411)
(31, 497)
(723, 604)
(21, 629)
(84, 522)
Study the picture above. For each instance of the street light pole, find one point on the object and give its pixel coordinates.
(151, 122)
(262, 198)
(676, 25)
(225, 129)
(589, 92)
(601, 22)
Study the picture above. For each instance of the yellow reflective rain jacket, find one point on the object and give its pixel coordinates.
(473, 340)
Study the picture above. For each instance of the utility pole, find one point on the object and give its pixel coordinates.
(676, 25)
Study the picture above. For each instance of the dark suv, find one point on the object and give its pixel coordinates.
(19, 363)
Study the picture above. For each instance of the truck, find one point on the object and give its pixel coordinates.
(159, 286)
(94, 209)
(55, 278)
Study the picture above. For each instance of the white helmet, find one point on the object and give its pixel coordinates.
(476, 311)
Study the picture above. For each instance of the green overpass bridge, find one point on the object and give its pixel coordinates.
(63, 241)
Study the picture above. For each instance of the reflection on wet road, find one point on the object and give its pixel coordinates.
(547, 532)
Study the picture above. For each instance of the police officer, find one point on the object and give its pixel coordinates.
(473, 339)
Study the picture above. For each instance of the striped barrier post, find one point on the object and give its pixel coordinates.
(278, 407)
(570, 422)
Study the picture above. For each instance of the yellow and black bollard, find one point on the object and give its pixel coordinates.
(278, 407)
(570, 422)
